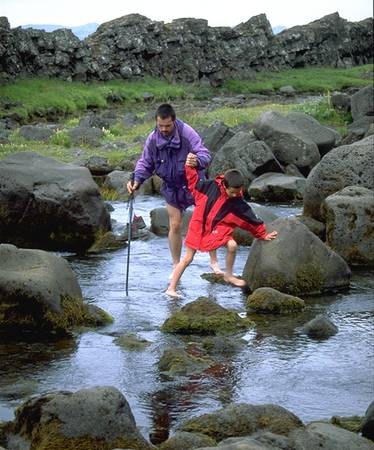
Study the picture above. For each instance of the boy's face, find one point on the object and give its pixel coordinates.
(233, 192)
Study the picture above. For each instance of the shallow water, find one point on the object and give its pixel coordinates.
(277, 364)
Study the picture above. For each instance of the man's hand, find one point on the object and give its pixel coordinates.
(271, 236)
(192, 160)
(132, 186)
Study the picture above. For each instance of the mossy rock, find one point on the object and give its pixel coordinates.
(186, 441)
(106, 242)
(130, 341)
(205, 316)
(215, 278)
(177, 361)
(351, 423)
(270, 301)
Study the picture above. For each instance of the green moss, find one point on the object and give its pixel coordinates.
(204, 316)
(351, 423)
(273, 302)
(131, 341)
(309, 279)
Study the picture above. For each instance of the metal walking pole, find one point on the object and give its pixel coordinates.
(129, 229)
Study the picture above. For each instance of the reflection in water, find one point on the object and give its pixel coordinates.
(276, 364)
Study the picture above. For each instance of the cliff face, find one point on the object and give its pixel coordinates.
(184, 50)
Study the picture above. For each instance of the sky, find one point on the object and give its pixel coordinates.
(218, 12)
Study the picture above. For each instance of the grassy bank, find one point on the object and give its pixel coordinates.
(33, 98)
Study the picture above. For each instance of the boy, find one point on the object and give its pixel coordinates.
(219, 209)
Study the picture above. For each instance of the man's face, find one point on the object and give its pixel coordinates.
(165, 126)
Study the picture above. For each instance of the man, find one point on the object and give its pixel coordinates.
(165, 153)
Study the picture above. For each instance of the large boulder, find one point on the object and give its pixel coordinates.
(362, 103)
(48, 204)
(216, 136)
(205, 316)
(39, 293)
(242, 420)
(349, 217)
(289, 143)
(277, 187)
(296, 262)
(368, 422)
(348, 165)
(245, 153)
(94, 418)
(325, 138)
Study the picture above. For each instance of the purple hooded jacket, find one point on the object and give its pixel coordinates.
(166, 158)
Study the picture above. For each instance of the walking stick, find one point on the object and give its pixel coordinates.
(129, 229)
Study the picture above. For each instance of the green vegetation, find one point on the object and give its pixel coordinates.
(34, 97)
(319, 79)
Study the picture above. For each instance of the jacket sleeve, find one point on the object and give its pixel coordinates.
(145, 166)
(204, 156)
(192, 176)
(245, 218)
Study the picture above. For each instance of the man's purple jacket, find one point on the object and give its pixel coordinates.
(167, 156)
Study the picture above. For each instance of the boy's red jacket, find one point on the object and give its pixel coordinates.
(216, 214)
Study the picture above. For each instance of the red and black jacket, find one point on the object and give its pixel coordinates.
(216, 214)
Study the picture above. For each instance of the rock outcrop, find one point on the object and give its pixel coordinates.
(183, 50)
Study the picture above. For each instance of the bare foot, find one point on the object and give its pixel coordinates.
(234, 280)
(216, 269)
(172, 293)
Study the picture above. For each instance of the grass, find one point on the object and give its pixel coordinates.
(35, 97)
(316, 80)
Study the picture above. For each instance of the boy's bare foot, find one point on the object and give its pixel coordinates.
(234, 280)
(172, 293)
(216, 269)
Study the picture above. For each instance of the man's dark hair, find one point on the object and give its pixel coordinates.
(233, 178)
(164, 111)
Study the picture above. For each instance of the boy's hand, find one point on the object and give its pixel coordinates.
(271, 236)
(192, 160)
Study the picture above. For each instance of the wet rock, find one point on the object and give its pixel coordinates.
(296, 262)
(48, 204)
(349, 216)
(245, 153)
(321, 327)
(186, 441)
(90, 418)
(348, 165)
(160, 221)
(117, 180)
(86, 135)
(37, 132)
(106, 242)
(362, 103)
(177, 361)
(130, 341)
(277, 187)
(289, 143)
(242, 420)
(319, 435)
(271, 301)
(292, 170)
(324, 137)
(40, 294)
(368, 423)
(350, 423)
(204, 316)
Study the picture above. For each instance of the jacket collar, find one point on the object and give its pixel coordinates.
(172, 142)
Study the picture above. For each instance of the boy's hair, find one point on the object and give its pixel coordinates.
(233, 178)
(164, 111)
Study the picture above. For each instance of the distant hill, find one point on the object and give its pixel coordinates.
(278, 29)
(81, 32)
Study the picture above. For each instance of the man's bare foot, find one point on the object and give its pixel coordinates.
(234, 280)
(172, 293)
(216, 269)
